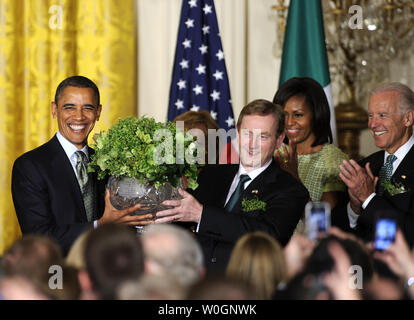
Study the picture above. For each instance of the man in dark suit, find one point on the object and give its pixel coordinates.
(255, 195)
(52, 192)
(382, 185)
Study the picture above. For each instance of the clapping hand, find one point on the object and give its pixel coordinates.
(289, 160)
(361, 182)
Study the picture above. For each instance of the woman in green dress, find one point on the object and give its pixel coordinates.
(310, 155)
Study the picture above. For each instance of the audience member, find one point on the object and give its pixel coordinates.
(113, 255)
(311, 156)
(76, 255)
(52, 192)
(172, 251)
(325, 276)
(256, 195)
(220, 287)
(297, 252)
(152, 287)
(258, 259)
(400, 260)
(384, 180)
(26, 266)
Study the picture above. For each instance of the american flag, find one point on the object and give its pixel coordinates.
(199, 79)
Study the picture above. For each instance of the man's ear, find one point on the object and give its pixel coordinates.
(409, 118)
(54, 109)
(279, 140)
(98, 112)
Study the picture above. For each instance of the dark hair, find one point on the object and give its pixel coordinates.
(263, 108)
(318, 104)
(78, 82)
(113, 254)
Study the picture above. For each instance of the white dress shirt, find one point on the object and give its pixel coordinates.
(70, 150)
(252, 174)
(400, 154)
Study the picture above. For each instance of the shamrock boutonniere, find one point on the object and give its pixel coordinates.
(394, 187)
(253, 205)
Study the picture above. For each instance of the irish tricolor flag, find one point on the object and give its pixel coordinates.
(304, 50)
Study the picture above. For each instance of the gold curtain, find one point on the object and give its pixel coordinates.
(41, 43)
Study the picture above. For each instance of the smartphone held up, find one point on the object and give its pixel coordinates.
(385, 232)
(318, 219)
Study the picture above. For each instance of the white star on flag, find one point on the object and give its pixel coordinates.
(218, 75)
(198, 90)
(215, 95)
(213, 114)
(220, 55)
(207, 9)
(203, 49)
(199, 80)
(201, 69)
(181, 84)
(230, 121)
(206, 29)
(189, 23)
(184, 64)
(187, 43)
(179, 104)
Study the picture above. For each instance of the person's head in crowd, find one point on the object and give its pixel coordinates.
(258, 259)
(326, 275)
(172, 250)
(307, 113)
(391, 115)
(70, 289)
(385, 285)
(201, 120)
(77, 107)
(399, 259)
(113, 254)
(17, 287)
(304, 286)
(76, 255)
(260, 129)
(152, 287)
(359, 256)
(27, 263)
(220, 287)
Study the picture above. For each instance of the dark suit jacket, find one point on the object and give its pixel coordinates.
(47, 197)
(219, 230)
(399, 207)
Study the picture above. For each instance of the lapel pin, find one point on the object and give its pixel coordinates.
(255, 191)
(403, 177)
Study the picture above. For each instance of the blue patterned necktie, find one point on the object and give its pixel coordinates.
(385, 172)
(237, 193)
(84, 184)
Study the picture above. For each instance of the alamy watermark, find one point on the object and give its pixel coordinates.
(356, 280)
(248, 142)
(56, 18)
(56, 280)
